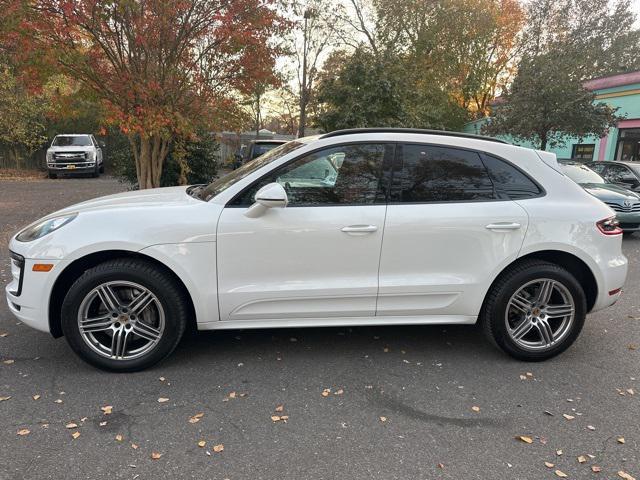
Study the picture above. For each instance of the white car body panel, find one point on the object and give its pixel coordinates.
(295, 267)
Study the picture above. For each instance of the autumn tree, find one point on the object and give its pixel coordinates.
(158, 68)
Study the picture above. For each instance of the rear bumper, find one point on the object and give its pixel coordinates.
(613, 273)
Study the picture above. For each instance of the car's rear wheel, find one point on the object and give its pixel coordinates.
(534, 311)
(124, 315)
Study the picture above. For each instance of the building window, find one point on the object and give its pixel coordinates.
(628, 147)
(583, 151)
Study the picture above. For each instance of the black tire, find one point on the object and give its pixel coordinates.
(492, 316)
(96, 172)
(53, 175)
(102, 168)
(141, 272)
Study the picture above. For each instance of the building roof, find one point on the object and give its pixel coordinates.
(611, 81)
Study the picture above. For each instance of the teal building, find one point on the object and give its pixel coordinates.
(620, 143)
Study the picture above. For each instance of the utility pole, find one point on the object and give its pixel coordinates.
(303, 89)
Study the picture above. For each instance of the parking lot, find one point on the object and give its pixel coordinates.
(376, 402)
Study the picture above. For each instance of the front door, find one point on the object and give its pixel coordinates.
(319, 256)
(449, 226)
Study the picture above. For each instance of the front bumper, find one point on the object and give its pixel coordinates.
(71, 168)
(27, 293)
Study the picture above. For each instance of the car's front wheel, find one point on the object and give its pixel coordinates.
(535, 310)
(124, 315)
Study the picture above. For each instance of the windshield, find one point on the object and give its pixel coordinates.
(68, 141)
(221, 184)
(581, 173)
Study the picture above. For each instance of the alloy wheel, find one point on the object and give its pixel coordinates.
(540, 314)
(121, 320)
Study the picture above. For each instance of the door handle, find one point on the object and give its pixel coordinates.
(503, 226)
(359, 229)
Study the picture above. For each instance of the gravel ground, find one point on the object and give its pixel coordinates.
(401, 401)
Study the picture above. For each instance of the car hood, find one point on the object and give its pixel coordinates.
(609, 192)
(155, 197)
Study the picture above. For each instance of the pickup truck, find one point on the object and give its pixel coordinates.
(75, 154)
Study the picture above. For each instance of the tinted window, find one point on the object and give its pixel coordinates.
(441, 174)
(620, 174)
(597, 167)
(344, 175)
(508, 180)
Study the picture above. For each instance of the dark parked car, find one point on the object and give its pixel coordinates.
(625, 174)
(254, 150)
(624, 202)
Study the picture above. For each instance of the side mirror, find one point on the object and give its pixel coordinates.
(102, 144)
(272, 195)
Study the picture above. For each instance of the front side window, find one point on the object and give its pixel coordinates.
(441, 174)
(343, 175)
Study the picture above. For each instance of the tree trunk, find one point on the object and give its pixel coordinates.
(149, 153)
(543, 141)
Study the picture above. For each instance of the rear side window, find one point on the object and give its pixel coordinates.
(508, 180)
(441, 174)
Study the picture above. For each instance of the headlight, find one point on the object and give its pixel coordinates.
(40, 229)
(49, 156)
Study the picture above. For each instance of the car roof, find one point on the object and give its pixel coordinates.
(74, 135)
(422, 131)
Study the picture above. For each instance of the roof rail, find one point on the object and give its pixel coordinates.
(446, 133)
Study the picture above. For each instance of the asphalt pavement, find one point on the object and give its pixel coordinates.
(392, 402)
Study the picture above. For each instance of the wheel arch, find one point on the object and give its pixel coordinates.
(76, 268)
(574, 264)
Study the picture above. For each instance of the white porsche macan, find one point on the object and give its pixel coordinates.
(355, 227)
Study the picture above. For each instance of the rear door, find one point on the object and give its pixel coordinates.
(449, 227)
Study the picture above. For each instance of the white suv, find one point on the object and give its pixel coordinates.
(355, 227)
(74, 153)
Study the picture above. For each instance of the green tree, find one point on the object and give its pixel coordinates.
(366, 90)
(22, 125)
(545, 103)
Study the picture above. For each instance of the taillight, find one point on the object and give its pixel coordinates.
(609, 226)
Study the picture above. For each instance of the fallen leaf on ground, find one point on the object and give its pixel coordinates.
(596, 469)
(71, 425)
(383, 419)
(631, 391)
(625, 475)
(162, 379)
(58, 400)
(568, 417)
(24, 431)
(155, 455)
(75, 434)
(558, 452)
(118, 438)
(549, 464)
(102, 424)
(218, 448)
(621, 440)
(591, 427)
(36, 397)
(134, 446)
(385, 349)
(107, 409)
(339, 392)
(202, 443)
(326, 392)
(525, 439)
(441, 465)
(279, 408)
(8, 362)
(582, 459)
(560, 474)
(2, 399)
(475, 409)
(163, 400)
(275, 418)
(196, 418)
(4, 334)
